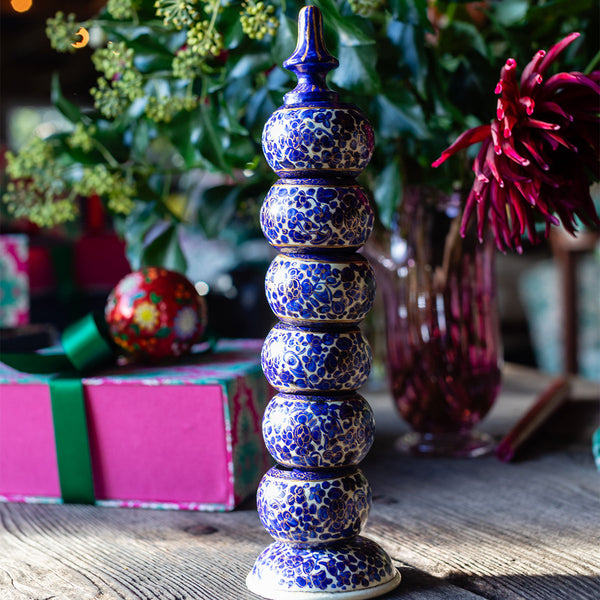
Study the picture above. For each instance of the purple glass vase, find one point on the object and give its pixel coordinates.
(443, 340)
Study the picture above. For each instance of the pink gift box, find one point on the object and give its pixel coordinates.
(187, 436)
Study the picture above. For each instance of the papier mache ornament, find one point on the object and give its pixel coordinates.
(154, 314)
(318, 428)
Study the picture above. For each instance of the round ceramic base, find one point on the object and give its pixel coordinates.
(353, 570)
(454, 445)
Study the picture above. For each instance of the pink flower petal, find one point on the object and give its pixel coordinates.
(495, 133)
(528, 103)
(471, 136)
(531, 85)
(555, 108)
(541, 124)
(482, 208)
(515, 202)
(531, 69)
(555, 51)
(470, 204)
(508, 122)
(563, 80)
(509, 150)
(560, 140)
(490, 160)
(535, 154)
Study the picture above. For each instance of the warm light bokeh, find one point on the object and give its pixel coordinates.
(85, 38)
(21, 5)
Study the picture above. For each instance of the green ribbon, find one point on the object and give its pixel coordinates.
(85, 346)
(71, 439)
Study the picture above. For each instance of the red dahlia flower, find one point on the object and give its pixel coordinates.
(538, 155)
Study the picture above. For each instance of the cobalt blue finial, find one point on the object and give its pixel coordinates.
(310, 61)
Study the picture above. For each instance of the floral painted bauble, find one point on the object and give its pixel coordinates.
(153, 314)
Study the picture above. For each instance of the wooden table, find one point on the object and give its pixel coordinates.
(456, 529)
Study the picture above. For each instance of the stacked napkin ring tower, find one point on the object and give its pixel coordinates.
(316, 500)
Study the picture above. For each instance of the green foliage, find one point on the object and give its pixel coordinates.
(186, 86)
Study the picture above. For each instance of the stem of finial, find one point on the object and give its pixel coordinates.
(310, 61)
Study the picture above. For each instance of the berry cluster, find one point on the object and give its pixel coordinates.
(62, 30)
(366, 8)
(258, 20)
(121, 83)
(177, 13)
(203, 41)
(37, 190)
(122, 9)
(82, 137)
(164, 108)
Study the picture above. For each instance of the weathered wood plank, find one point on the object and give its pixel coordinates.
(457, 529)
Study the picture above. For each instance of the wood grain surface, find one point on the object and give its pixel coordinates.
(456, 529)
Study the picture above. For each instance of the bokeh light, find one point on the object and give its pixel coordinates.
(21, 5)
(85, 38)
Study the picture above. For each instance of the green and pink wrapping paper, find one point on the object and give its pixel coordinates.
(14, 280)
(186, 436)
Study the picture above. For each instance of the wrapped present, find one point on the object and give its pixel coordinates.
(14, 280)
(185, 436)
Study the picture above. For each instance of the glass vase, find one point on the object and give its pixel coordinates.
(442, 327)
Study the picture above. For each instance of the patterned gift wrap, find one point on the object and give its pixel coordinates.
(14, 280)
(185, 436)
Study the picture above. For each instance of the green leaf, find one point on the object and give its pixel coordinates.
(216, 208)
(155, 297)
(229, 120)
(357, 72)
(409, 11)
(346, 28)
(259, 109)
(147, 62)
(141, 140)
(280, 80)
(409, 43)
(285, 41)
(163, 332)
(511, 12)
(145, 37)
(68, 109)
(165, 251)
(134, 228)
(183, 132)
(250, 63)
(388, 192)
(241, 152)
(394, 121)
(460, 37)
(210, 144)
(230, 27)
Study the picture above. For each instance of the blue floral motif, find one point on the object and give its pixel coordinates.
(296, 359)
(358, 563)
(307, 290)
(299, 141)
(316, 432)
(298, 214)
(316, 508)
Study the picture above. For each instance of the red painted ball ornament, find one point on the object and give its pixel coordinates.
(154, 313)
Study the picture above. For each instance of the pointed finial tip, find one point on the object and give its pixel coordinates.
(310, 60)
(310, 48)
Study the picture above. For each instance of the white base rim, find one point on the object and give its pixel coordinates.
(254, 585)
